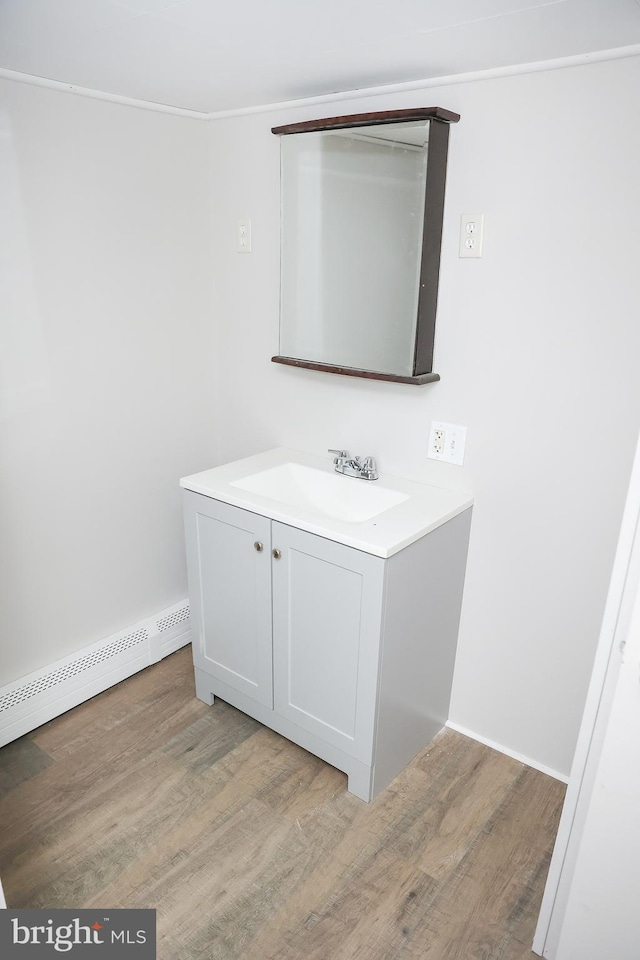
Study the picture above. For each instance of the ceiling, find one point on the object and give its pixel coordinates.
(215, 55)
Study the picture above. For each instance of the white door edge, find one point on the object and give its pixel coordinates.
(623, 588)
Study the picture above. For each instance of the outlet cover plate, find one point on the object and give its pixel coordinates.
(447, 442)
(471, 235)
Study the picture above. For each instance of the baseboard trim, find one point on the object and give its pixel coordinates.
(29, 702)
(507, 752)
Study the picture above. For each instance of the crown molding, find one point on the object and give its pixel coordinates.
(100, 95)
(494, 73)
(389, 89)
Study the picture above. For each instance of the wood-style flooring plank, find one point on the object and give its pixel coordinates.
(249, 848)
(77, 730)
(107, 758)
(242, 775)
(484, 903)
(19, 761)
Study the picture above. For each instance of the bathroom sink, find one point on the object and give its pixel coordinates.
(303, 490)
(343, 498)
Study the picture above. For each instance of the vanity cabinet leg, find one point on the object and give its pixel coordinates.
(360, 780)
(203, 687)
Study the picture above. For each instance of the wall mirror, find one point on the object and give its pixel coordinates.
(361, 227)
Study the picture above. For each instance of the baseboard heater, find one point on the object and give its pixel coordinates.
(29, 702)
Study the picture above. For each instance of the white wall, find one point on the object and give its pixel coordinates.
(105, 365)
(537, 346)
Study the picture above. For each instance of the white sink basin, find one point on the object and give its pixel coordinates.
(302, 490)
(344, 498)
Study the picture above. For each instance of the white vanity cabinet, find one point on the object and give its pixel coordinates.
(348, 654)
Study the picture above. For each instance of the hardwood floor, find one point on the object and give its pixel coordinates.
(249, 847)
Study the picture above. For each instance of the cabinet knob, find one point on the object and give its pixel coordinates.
(258, 546)
(276, 554)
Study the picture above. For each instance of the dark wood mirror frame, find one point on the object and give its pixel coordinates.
(431, 240)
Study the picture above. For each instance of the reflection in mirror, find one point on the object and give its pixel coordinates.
(352, 205)
(354, 268)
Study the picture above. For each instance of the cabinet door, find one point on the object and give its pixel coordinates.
(327, 612)
(230, 591)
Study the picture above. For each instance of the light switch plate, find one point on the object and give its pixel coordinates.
(243, 237)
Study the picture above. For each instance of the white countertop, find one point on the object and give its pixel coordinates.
(425, 507)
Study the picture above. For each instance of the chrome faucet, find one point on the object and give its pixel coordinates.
(362, 467)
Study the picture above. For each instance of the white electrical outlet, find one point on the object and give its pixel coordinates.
(471, 234)
(447, 442)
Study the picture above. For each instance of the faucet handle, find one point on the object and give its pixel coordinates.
(370, 469)
(339, 454)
